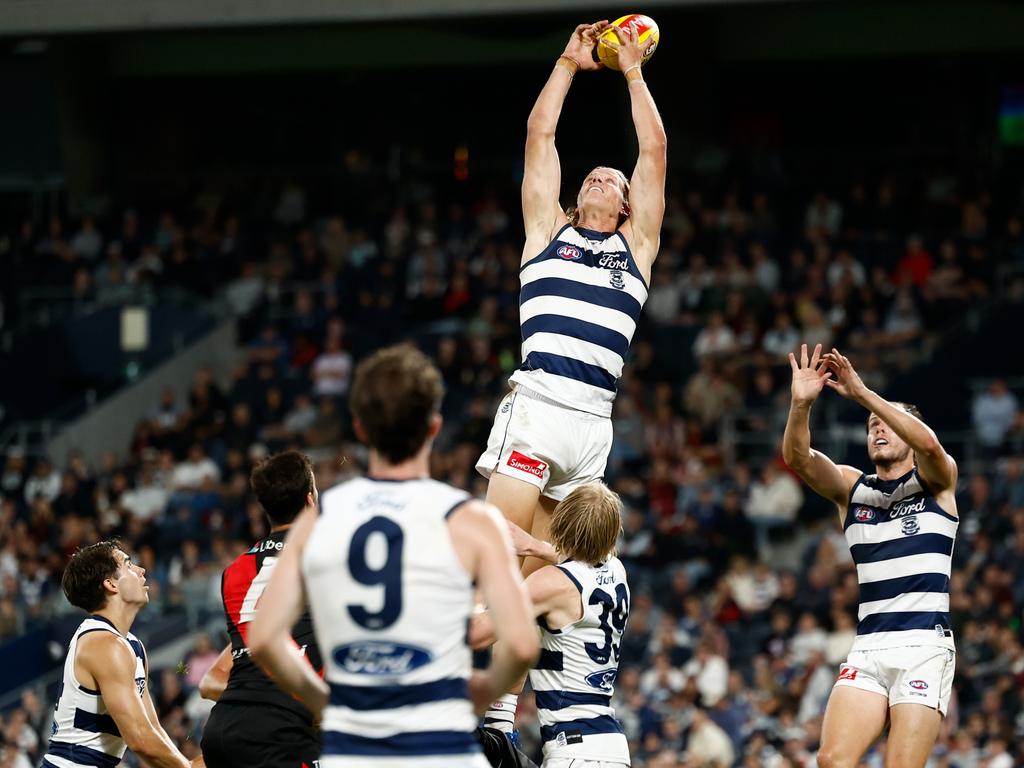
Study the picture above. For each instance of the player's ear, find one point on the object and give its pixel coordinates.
(360, 430)
(436, 422)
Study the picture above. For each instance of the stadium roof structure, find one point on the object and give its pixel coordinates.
(40, 17)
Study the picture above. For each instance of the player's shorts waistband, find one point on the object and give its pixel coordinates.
(534, 395)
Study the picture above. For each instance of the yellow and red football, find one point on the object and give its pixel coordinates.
(647, 32)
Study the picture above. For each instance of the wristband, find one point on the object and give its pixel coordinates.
(568, 63)
(630, 69)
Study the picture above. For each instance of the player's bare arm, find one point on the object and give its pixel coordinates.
(824, 476)
(542, 174)
(526, 545)
(105, 663)
(937, 468)
(481, 540)
(554, 597)
(270, 640)
(154, 718)
(216, 678)
(647, 185)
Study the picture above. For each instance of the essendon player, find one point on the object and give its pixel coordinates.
(255, 723)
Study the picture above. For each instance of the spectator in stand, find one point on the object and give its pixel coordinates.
(716, 339)
(45, 482)
(915, 267)
(995, 413)
(781, 338)
(332, 370)
(775, 499)
(195, 472)
(823, 219)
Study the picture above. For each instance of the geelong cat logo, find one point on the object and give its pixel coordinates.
(568, 252)
(909, 526)
(603, 679)
(374, 658)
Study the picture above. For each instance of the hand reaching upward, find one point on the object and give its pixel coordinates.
(580, 47)
(809, 376)
(847, 381)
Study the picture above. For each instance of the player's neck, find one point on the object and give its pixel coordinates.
(414, 468)
(895, 470)
(121, 615)
(598, 222)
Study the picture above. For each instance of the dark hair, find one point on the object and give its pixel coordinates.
(395, 392)
(910, 408)
(86, 571)
(281, 483)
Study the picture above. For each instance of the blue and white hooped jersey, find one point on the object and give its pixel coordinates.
(391, 603)
(578, 309)
(84, 733)
(574, 678)
(902, 543)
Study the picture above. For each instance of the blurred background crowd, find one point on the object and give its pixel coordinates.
(744, 592)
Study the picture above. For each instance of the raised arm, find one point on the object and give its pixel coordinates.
(282, 604)
(542, 174)
(480, 536)
(936, 467)
(111, 665)
(824, 476)
(647, 185)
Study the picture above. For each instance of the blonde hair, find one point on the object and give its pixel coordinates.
(573, 211)
(586, 524)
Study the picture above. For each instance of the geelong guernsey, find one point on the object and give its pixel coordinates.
(84, 733)
(574, 678)
(902, 543)
(579, 306)
(390, 603)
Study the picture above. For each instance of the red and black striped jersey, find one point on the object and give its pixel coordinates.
(242, 586)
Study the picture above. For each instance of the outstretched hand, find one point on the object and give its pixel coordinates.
(631, 53)
(809, 376)
(847, 382)
(580, 47)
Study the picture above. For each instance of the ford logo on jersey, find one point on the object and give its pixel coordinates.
(375, 658)
(603, 679)
(568, 252)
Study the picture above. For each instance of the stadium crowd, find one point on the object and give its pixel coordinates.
(744, 594)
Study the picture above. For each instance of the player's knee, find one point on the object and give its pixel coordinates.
(829, 758)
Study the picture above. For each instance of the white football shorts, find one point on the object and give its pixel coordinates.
(548, 445)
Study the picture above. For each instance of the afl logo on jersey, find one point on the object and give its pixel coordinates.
(568, 252)
(864, 514)
(603, 679)
(918, 685)
(909, 526)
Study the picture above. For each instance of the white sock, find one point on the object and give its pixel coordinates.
(501, 715)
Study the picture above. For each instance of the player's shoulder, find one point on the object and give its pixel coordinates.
(475, 514)
(616, 566)
(337, 492)
(852, 474)
(103, 648)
